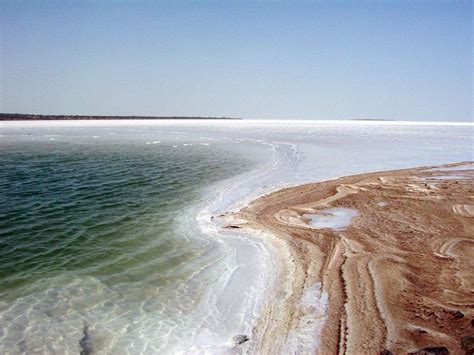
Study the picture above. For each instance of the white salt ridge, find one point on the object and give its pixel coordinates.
(461, 167)
(448, 177)
(337, 218)
(250, 260)
(313, 306)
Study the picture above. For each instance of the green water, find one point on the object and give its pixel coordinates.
(81, 225)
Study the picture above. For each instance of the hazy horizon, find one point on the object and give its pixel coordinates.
(272, 60)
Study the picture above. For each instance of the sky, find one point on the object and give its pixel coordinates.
(401, 60)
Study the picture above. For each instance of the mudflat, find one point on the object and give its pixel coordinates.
(393, 250)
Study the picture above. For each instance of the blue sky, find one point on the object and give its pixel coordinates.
(302, 60)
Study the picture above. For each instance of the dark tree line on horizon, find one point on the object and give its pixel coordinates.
(32, 117)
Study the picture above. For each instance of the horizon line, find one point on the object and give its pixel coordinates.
(15, 116)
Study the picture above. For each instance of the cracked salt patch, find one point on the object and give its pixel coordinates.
(334, 218)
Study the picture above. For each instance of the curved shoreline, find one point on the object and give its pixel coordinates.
(248, 263)
(382, 272)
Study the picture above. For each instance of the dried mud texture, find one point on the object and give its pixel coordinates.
(400, 277)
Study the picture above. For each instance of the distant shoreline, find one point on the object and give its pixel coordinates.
(20, 117)
(31, 117)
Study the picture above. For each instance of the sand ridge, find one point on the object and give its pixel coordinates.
(399, 277)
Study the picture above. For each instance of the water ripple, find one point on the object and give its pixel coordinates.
(87, 235)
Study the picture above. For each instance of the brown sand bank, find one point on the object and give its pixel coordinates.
(400, 276)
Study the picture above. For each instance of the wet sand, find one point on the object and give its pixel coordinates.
(398, 273)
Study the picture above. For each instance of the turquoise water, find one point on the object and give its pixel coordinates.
(88, 235)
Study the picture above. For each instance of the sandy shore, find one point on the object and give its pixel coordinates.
(376, 263)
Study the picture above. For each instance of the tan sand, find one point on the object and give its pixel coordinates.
(400, 277)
